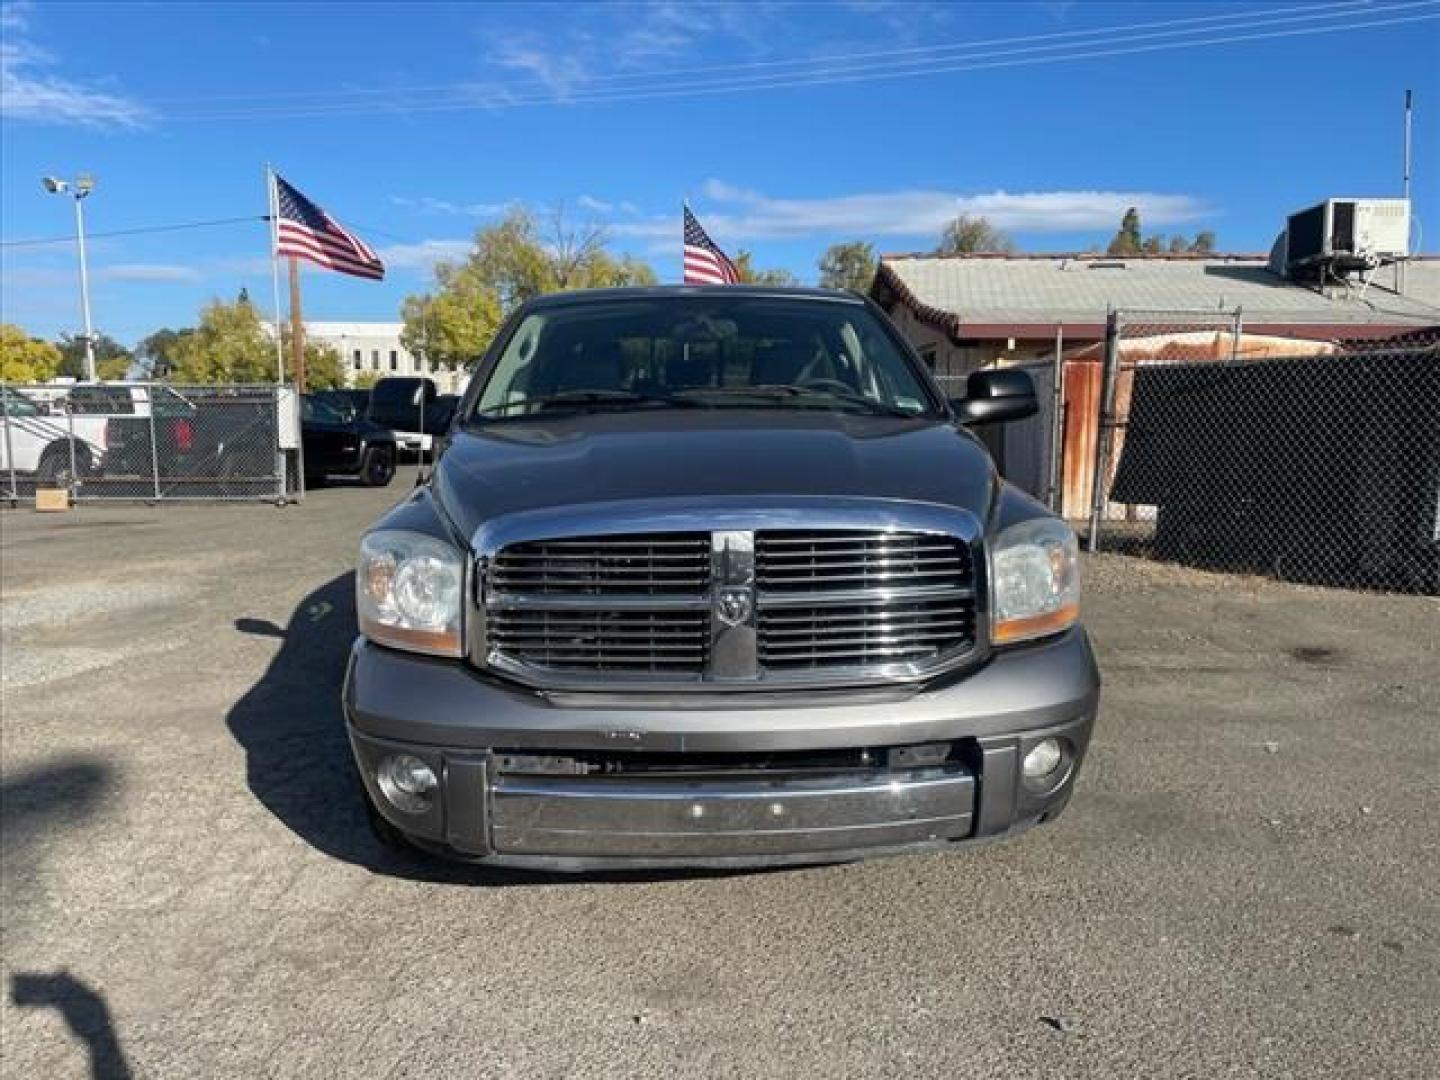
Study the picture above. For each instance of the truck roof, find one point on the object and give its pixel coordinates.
(729, 292)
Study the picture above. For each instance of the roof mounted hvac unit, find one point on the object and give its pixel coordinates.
(1344, 236)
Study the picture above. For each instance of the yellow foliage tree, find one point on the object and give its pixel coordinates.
(25, 359)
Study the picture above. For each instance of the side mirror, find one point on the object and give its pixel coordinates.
(995, 397)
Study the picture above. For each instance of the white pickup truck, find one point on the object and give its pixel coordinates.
(41, 442)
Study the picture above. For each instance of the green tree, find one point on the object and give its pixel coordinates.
(324, 368)
(26, 359)
(970, 235)
(229, 346)
(454, 324)
(1127, 240)
(1204, 243)
(364, 380)
(155, 352)
(847, 266)
(748, 274)
(112, 360)
(520, 257)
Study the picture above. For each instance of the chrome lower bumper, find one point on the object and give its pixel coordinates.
(589, 818)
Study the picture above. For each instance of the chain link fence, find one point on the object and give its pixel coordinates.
(1314, 462)
(150, 441)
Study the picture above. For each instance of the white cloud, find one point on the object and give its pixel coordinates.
(146, 272)
(423, 255)
(559, 71)
(744, 215)
(428, 205)
(31, 91)
(598, 206)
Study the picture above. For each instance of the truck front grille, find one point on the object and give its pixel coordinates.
(784, 606)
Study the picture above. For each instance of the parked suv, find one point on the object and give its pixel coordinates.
(716, 577)
(38, 441)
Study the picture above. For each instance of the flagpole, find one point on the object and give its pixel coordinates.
(270, 191)
(297, 329)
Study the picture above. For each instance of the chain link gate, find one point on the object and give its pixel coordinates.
(1307, 461)
(151, 442)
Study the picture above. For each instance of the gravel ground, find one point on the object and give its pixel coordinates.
(1246, 883)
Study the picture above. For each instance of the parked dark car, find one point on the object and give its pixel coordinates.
(337, 445)
(716, 577)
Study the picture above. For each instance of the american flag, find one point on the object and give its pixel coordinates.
(705, 263)
(307, 232)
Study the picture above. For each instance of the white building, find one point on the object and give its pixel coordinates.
(376, 347)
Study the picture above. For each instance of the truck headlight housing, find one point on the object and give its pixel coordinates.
(408, 592)
(1034, 581)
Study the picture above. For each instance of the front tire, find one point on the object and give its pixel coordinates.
(55, 466)
(379, 466)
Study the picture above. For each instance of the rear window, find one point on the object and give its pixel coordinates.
(101, 401)
(389, 393)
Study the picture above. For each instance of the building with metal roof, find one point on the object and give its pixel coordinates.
(964, 312)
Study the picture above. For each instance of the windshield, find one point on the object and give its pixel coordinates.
(712, 352)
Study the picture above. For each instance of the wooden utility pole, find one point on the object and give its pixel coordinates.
(297, 328)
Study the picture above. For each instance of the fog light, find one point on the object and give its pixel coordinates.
(407, 782)
(1042, 760)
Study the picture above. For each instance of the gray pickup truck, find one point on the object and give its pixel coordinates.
(712, 577)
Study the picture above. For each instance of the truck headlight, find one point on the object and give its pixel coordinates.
(408, 590)
(1034, 581)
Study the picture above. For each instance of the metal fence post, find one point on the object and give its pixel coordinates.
(14, 495)
(70, 442)
(1055, 496)
(154, 447)
(1106, 427)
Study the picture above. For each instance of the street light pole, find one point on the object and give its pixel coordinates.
(78, 189)
(85, 286)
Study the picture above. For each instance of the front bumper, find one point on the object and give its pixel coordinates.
(471, 730)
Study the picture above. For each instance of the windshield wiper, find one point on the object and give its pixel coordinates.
(779, 391)
(586, 399)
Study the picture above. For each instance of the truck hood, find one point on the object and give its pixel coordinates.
(601, 457)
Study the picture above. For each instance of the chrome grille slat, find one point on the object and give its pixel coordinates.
(603, 639)
(847, 600)
(658, 565)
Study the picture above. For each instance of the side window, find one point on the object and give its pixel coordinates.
(375, 359)
(394, 360)
(19, 405)
(358, 361)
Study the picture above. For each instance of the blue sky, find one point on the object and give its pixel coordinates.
(789, 126)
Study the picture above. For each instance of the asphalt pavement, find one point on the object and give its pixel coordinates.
(1247, 882)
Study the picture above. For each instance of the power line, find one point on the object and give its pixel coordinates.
(1102, 34)
(37, 241)
(869, 73)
